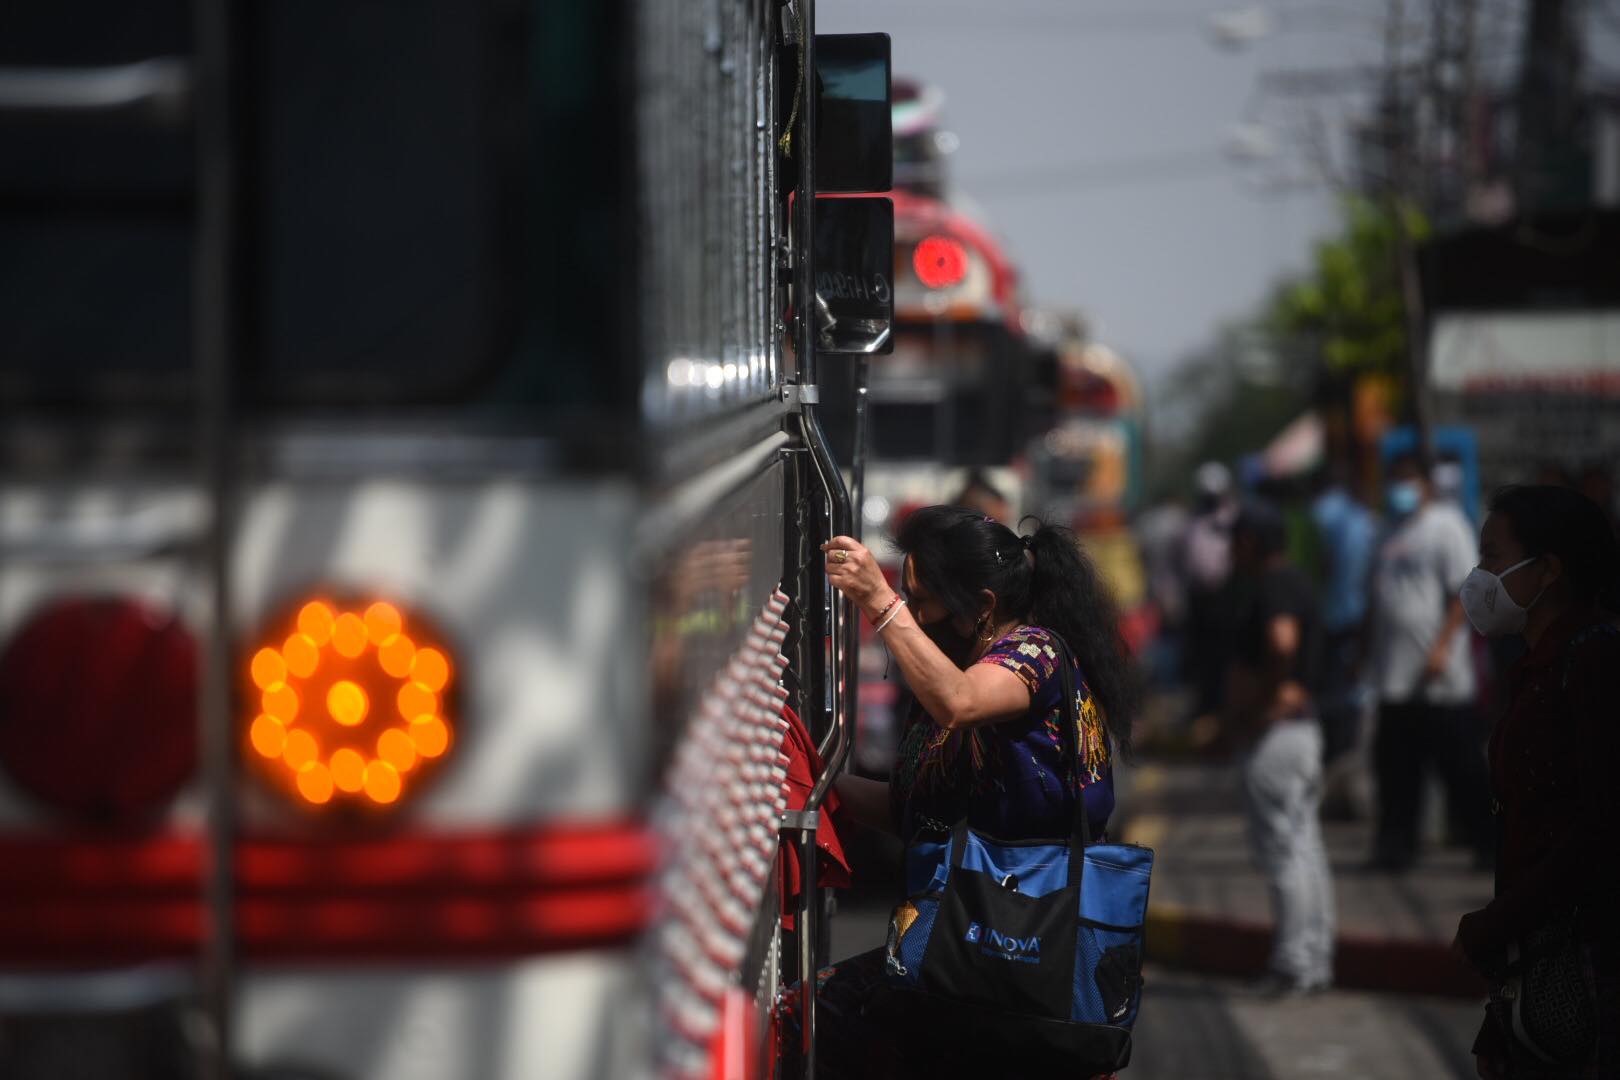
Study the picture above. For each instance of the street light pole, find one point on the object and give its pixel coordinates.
(1397, 188)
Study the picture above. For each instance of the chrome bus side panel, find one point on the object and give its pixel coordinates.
(555, 1018)
(585, 622)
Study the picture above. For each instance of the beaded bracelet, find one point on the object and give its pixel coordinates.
(886, 609)
(890, 617)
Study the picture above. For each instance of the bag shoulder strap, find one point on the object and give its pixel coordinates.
(1080, 827)
(1080, 830)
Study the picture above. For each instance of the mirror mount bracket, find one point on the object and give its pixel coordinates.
(801, 394)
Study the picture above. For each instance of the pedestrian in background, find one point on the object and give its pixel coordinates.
(1423, 670)
(978, 493)
(1161, 534)
(1270, 712)
(1207, 555)
(1549, 570)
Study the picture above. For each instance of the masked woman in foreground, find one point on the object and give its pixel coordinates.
(1549, 571)
(973, 630)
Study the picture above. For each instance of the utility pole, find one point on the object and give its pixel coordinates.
(1399, 190)
(1473, 164)
(1548, 171)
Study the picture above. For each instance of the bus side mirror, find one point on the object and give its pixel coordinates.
(854, 122)
(854, 258)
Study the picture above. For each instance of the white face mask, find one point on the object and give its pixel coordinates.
(1486, 602)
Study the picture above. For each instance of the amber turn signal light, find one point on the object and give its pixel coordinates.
(350, 705)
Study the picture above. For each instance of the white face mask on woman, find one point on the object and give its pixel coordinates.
(1486, 602)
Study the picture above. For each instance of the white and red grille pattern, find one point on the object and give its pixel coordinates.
(723, 803)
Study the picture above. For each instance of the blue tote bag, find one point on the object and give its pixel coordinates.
(1024, 950)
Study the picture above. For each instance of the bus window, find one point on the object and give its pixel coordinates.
(94, 234)
(377, 196)
(413, 229)
(905, 431)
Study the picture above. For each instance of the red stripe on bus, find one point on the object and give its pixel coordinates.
(72, 902)
(551, 856)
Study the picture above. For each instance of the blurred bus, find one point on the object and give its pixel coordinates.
(963, 391)
(1086, 470)
(407, 544)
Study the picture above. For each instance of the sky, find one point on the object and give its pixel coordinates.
(1091, 143)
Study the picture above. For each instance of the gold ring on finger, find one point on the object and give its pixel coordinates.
(840, 556)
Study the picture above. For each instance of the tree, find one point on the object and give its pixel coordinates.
(1341, 319)
(1220, 404)
(1349, 306)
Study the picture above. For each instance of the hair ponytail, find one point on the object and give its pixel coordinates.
(1043, 579)
(1069, 597)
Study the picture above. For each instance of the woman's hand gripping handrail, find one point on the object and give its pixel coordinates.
(844, 630)
(834, 748)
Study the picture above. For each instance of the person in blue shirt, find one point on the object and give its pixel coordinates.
(1348, 533)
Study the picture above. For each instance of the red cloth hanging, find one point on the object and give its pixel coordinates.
(804, 766)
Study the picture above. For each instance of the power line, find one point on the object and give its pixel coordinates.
(1311, 17)
(1090, 175)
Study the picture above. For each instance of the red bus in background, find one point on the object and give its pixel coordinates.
(966, 388)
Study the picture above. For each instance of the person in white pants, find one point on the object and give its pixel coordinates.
(1282, 783)
(1271, 714)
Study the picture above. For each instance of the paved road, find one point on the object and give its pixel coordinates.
(1200, 1028)
(1192, 815)
(1197, 1028)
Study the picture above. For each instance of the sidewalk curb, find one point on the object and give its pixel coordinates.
(1193, 941)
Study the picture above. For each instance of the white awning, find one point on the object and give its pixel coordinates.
(1298, 448)
(1561, 352)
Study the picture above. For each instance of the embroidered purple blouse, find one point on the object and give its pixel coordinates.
(1015, 780)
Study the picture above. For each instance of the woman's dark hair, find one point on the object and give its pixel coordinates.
(1549, 520)
(1263, 525)
(956, 552)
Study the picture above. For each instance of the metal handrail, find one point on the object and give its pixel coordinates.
(857, 465)
(834, 745)
(832, 484)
